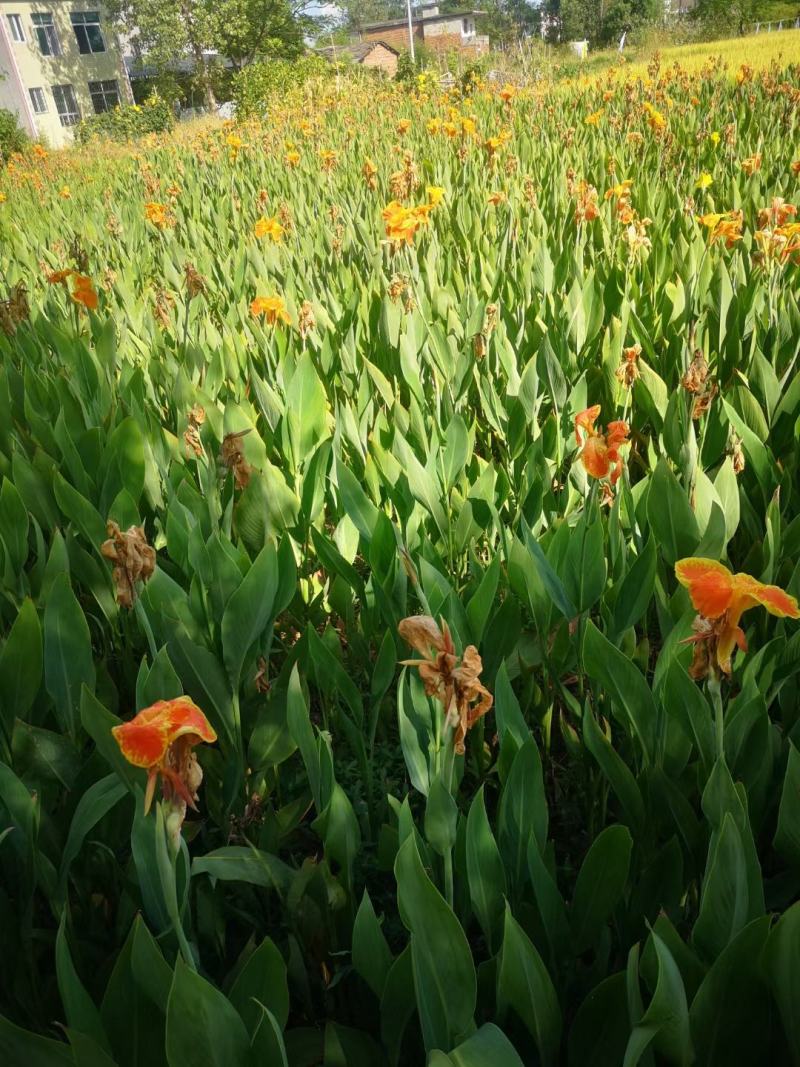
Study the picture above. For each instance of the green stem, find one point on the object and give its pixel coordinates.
(448, 877)
(144, 622)
(719, 725)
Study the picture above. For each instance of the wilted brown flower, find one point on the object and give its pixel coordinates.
(191, 435)
(195, 282)
(134, 560)
(694, 380)
(232, 455)
(737, 455)
(456, 686)
(14, 310)
(306, 320)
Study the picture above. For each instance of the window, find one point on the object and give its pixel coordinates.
(66, 104)
(105, 95)
(39, 101)
(15, 25)
(86, 25)
(467, 27)
(46, 35)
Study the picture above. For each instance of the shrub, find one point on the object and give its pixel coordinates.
(12, 137)
(128, 122)
(255, 87)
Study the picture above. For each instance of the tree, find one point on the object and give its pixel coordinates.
(360, 13)
(730, 14)
(167, 30)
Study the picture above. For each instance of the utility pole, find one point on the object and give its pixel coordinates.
(410, 32)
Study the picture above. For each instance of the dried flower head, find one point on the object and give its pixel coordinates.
(196, 284)
(232, 455)
(457, 686)
(133, 558)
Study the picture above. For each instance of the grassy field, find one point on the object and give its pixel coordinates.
(399, 561)
(756, 50)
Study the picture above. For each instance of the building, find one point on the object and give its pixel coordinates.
(454, 31)
(374, 54)
(58, 64)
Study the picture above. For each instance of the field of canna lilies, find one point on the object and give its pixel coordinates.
(400, 551)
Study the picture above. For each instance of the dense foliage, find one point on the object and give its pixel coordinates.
(129, 121)
(267, 391)
(261, 86)
(12, 136)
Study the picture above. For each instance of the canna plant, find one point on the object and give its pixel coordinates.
(440, 464)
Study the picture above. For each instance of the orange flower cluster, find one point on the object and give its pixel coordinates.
(269, 227)
(272, 308)
(587, 208)
(83, 290)
(720, 599)
(751, 164)
(778, 236)
(157, 214)
(723, 226)
(655, 120)
(600, 452)
(403, 222)
(160, 739)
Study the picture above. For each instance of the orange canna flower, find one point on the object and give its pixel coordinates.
(622, 191)
(795, 168)
(721, 598)
(600, 452)
(292, 158)
(594, 118)
(65, 193)
(156, 213)
(433, 125)
(403, 222)
(327, 158)
(723, 226)
(59, 276)
(84, 291)
(270, 227)
(751, 164)
(370, 173)
(403, 126)
(496, 198)
(272, 308)
(507, 93)
(160, 739)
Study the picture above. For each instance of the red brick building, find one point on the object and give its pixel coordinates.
(454, 31)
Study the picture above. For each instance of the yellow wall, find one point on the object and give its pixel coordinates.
(70, 67)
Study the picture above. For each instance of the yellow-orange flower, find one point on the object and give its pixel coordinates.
(600, 452)
(433, 125)
(156, 213)
(370, 172)
(723, 226)
(622, 190)
(795, 167)
(507, 93)
(272, 308)
(269, 227)
(751, 164)
(403, 222)
(65, 193)
(435, 194)
(496, 198)
(594, 118)
(292, 158)
(403, 126)
(721, 598)
(160, 739)
(704, 181)
(327, 158)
